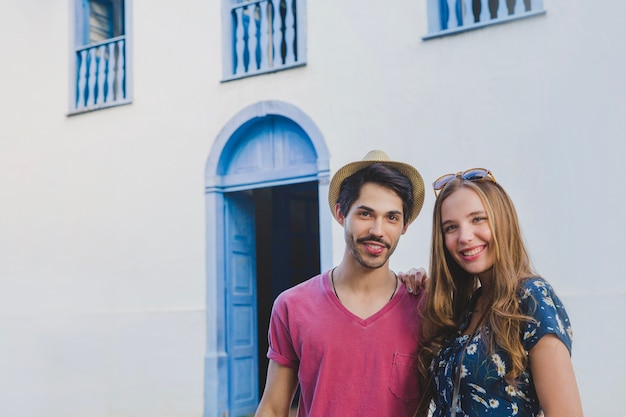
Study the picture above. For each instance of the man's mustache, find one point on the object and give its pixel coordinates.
(371, 238)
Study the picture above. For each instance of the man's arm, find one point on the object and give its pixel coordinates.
(280, 387)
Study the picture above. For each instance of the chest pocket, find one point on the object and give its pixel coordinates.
(403, 381)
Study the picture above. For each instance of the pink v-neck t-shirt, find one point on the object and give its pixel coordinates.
(347, 366)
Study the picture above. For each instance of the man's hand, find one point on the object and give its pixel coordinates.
(414, 280)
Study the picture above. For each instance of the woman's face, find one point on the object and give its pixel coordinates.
(466, 231)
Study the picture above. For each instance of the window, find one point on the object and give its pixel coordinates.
(100, 60)
(262, 36)
(447, 17)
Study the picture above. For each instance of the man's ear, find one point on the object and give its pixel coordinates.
(338, 215)
(406, 226)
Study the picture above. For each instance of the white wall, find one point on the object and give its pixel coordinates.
(102, 214)
(102, 304)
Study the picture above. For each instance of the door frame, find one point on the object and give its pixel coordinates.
(216, 373)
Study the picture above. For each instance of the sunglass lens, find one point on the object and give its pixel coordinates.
(475, 174)
(442, 181)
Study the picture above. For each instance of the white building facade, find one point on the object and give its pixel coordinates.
(164, 169)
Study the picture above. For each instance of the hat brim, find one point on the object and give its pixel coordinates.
(405, 169)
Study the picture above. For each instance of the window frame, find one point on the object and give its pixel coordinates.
(228, 41)
(79, 38)
(435, 30)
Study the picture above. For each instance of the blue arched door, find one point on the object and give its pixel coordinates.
(266, 178)
(272, 159)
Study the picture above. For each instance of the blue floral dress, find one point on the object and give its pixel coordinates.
(482, 389)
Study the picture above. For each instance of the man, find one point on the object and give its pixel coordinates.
(349, 336)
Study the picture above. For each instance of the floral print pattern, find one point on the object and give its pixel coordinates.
(483, 391)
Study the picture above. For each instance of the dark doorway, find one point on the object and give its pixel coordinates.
(287, 249)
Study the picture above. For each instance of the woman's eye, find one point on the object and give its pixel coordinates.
(449, 228)
(479, 219)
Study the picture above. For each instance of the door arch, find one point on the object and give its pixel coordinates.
(269, 144)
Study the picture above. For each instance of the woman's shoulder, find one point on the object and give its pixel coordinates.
(537, 294)
(539, 301)
(534, 286)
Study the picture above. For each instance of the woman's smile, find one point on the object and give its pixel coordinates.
(473, 253)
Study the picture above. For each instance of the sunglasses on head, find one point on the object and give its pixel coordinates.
(474, 174)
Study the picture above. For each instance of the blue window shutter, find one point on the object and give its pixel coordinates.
(84, 23)
(101, 20)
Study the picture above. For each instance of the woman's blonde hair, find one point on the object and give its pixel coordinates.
(450, 288)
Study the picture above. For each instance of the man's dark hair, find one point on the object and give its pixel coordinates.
(382, 175)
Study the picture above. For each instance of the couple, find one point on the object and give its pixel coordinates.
(487, 337)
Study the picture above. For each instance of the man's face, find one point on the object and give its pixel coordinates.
(373, 225)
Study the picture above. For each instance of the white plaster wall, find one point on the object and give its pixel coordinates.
(102, 214)
(102, 300)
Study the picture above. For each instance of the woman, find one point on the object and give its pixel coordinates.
(496, 337)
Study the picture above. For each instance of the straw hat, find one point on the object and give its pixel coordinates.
(375, 157)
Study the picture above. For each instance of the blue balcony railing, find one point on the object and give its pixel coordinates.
(101, 74)
(446, 17)
(265, 37)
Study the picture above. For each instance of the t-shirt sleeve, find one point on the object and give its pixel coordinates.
(281, 346)
(539, 301)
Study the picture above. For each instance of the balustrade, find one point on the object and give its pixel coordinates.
(101, 74)
(453, 16)
(265, 36)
